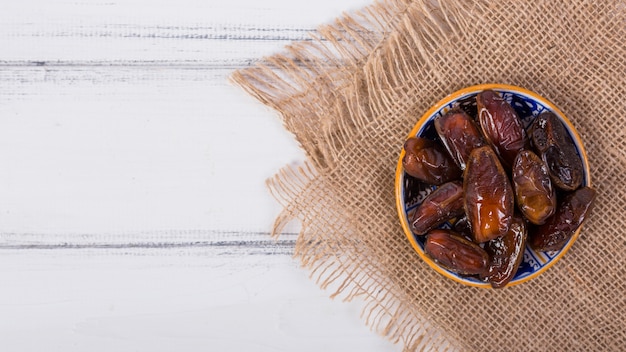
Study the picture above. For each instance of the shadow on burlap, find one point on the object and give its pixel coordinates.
(351, 95)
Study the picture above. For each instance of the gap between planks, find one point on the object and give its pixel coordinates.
(217, 242)
(115, 64)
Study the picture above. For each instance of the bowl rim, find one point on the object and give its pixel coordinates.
(420, 123)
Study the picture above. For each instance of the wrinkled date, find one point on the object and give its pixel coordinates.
(456, 253)
(488, 195)
(552, 141)
(501, 126)
(459, 134)
(428, 161)
(443, 204)
(571, 213)
(506, 254)
(533, 189)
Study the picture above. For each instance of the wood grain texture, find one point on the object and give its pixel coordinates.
(133, 210)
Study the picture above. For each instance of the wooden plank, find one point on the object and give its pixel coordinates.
(101, 149)
(187, 30)
(75, 301)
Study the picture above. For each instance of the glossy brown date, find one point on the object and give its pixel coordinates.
(555, 146)
(459, 135)
(501, 126)
(488, 197)
(506, 254)
(445, 203)
(534, 193)
(572, 210)
(429, 161)
(456, 253)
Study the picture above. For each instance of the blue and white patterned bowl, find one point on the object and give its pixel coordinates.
(410, 192)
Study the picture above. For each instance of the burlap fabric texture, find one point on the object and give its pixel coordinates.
(351, 95)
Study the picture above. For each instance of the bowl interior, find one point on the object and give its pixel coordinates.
(410, 192)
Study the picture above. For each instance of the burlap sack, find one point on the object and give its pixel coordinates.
(351, 95)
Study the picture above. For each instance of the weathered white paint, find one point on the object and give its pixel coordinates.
(133, 211)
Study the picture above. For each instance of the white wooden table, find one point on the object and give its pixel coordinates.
(133, 210)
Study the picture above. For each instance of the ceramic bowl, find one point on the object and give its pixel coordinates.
(410, 192)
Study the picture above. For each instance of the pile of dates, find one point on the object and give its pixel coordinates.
(502, 187)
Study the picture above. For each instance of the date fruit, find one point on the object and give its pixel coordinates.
(445, 203)
(429, 161)
(501, 126)
(571, 212)
(488, 199)
(555, 146)
(455, 253)
(459, 135)
(506, 254)
(533, 189)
